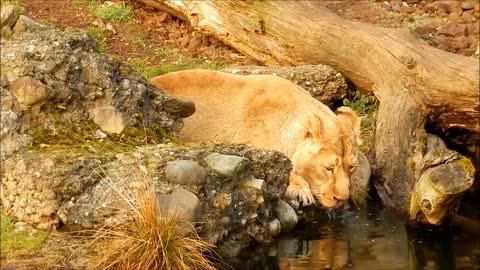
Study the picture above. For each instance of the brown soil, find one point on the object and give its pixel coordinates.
(449, 28)
(138, 38)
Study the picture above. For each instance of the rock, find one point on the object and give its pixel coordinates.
(174, 35)
(185, 172)
(274, 227)
(324, 83)
(448, 6)
(109, 119)
(43, 188)
(469, 4)
(194, 44)
(226, 165)
(458, 43)
(185, 40)
(425, 31)
(9, 16)
(181, 204)
(206, 41)
(407, 9)
(164, 17)
(453, 30)
(360, 179)
(286, 215)
(6, 32)
(179, 107)
(82, 85)
(26, 24)
(255, 183)
(29, 91)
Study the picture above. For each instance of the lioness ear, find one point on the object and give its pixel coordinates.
(349, 115)
(312, 127)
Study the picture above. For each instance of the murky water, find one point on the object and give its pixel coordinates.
(366, 238)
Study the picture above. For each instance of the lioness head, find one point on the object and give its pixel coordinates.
(327, 155)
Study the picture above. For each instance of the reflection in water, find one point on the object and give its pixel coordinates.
(369, 238)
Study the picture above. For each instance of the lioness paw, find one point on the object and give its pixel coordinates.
(302, 194)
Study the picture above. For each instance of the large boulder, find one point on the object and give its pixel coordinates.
(322, 82)
(79, 189)
(55, 83)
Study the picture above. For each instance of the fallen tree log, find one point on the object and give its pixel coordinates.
(413, 81)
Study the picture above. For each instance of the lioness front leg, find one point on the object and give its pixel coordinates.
(299, 188)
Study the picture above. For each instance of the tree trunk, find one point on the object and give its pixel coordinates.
(412, 80)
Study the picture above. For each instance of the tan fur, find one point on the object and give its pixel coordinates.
(270, 112)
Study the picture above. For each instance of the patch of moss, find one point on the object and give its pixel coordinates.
(67, 141)
(100, 36)
(16, 244)
(466, 163)
(64, 133)
(366, 107)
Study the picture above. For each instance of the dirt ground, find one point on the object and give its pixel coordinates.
(151, 30)
(153, 38)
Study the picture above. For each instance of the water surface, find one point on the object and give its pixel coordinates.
(365, 238)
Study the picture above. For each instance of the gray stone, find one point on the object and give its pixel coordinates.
(24, 23)
(322, 82)
(274, 227)
(255, 183)
(185, 172)
(9, 16)
(226, 165)
(181, 204)
(109, 119)
(360, 179)
(6, 32)
(29, 91)
(286, 215)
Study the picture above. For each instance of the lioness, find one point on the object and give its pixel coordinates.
(270, 112)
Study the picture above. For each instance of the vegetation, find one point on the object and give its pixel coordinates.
(17, 3)
(163, 53)
(100, 36)
(15, 243)
(144, 239)
(413, 21)
(366, 107)
(85, 2)
(149, 72)
(116, 12)
(140, 41)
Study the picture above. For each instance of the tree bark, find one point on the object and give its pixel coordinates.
(413, 81)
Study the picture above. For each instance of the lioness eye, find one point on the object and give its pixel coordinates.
(353, 167)
(330, 169)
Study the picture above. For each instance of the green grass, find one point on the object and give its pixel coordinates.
(15, 244)
(149, 72)
(85, 2)
(163, 53)
(118, 12)
(100, 36)
(140, 41)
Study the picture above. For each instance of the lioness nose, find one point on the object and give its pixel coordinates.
(341, 195)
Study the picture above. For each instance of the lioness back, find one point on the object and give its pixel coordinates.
(261, 110)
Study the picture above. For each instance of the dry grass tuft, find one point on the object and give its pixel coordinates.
(145, 240)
